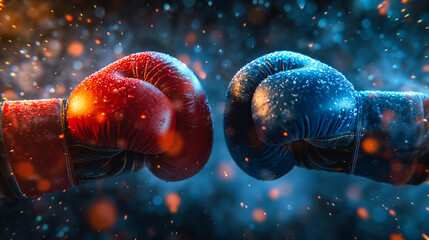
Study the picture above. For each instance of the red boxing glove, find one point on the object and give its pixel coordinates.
(148, 103)
(193, 135)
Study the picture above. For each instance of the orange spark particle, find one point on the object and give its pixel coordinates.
(259, 215)
(426, 68)
(274, 194)
(143, 116)
(425, 236)
(102, 215)
(75, 49)
(396, 236)
(392, 212)
(68, 17)
(382, 11)
(383, 7)
(363, 213)
(172, 200)
(48, 54)
(97, 42)
(370, 145)
(225, 171)
(285, 134)
(202, 75)
(246, 159)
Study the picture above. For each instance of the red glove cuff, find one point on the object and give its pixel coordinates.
(34, 139)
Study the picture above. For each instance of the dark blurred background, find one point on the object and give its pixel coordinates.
(48, 47)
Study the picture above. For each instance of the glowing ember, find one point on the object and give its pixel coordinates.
(102, 215)
(370, 145)
(68, 17)
(75, 49)
(274, 194)
(225, 171)
(363, 213)
(259, 215)
(396, 236)
(172, 200)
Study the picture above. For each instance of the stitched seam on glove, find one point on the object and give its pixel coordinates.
(327, 139)
(359, 134)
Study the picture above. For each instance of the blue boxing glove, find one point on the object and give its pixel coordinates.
(285, 109)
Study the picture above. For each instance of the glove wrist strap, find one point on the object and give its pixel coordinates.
(35, 147)
(392, 137)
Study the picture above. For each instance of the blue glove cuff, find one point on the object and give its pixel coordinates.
(391, 138)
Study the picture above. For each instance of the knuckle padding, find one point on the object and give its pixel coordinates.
(192, 144)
